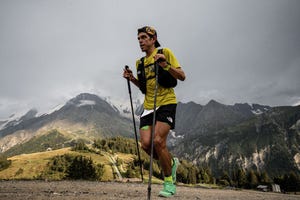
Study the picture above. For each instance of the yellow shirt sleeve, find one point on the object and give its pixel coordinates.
(170, 57)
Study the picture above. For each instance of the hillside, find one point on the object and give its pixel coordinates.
(51, 140)
(116, 158)
(30, 166)
(86, 117)
(266, 142)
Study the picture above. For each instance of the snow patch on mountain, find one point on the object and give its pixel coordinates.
(86, 103)
(112, 103)
(174, 139)
(124, 106)
(13, 120)
(256, 112)
(258, 109)
(52, 110)
(173, 134)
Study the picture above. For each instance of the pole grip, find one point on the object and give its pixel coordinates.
(128, 82)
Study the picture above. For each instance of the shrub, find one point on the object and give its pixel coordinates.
(68, 166)
(4, 163)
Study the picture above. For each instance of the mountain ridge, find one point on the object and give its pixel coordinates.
(222, 136)
(269, 141)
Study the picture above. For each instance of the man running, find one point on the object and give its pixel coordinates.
(165, 103)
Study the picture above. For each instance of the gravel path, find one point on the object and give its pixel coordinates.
(89, 190)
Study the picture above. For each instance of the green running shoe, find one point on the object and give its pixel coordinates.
(174, 168)
(169, 190)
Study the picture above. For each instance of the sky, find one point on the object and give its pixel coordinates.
(231, 51)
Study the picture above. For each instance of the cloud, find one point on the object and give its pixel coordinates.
(231, 51)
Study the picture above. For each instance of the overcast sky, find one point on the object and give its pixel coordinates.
(232, 51)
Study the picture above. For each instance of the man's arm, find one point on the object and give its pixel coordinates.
(177, 73)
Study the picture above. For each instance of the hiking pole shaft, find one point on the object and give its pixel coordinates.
(134, 126)
(153, 131)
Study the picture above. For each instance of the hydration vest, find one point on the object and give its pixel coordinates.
(165, 79)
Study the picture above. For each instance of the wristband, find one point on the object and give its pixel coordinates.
(167, 67)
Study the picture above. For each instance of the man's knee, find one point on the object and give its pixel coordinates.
(145, 131)
(146, 146)
(159, 143)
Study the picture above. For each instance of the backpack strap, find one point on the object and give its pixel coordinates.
(142, 76)
(142, 61)
(160, 51)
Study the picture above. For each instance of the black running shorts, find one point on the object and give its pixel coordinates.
(165, 113)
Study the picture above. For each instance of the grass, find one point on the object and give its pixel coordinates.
(30, 166)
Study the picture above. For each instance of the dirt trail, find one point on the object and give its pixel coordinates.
(89, 190)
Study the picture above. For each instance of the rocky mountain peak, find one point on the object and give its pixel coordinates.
(213, 103)
(89, 101)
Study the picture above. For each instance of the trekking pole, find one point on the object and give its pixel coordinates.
(133, 119)
(152, 131)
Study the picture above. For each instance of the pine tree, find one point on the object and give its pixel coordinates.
(205, 175)
(82, 168)
(241, 178)
(252, 179)
(182, 174)
(192, 175)
(265, 179)
(292, 182)
(224, 179)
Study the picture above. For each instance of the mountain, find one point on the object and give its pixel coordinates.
(86, 116)
(239, 136)
(193, 119)
(223, 137)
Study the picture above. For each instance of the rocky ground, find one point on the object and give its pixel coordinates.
(89, 190)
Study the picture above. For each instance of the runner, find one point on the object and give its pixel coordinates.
(166, 103)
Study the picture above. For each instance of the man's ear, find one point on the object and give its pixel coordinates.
(154, 38)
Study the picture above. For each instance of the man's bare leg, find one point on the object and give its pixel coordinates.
(161, 152)
(160, 144)
(145, 136)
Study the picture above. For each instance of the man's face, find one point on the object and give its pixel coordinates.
(145, 41)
